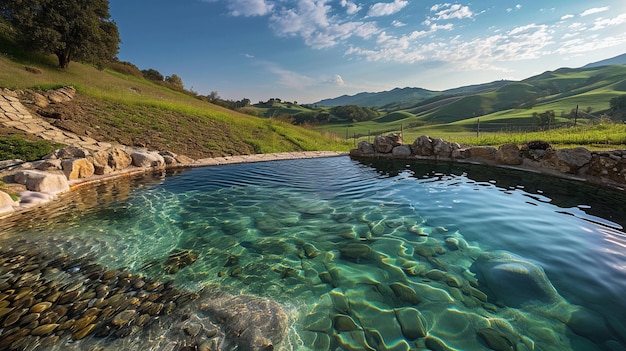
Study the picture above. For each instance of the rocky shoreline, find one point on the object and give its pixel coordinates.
(606, 168)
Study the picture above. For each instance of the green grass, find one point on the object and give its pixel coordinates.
(132, 105)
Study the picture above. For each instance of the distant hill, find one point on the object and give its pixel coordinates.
(617, 60)
(380, 99)
(403, 98)
(411, 98)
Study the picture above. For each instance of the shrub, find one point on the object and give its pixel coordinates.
(126, 68)
(18, 148)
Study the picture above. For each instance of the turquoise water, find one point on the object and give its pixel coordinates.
(379, 255)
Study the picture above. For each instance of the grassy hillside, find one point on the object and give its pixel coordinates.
(508, 108)
(131, 110)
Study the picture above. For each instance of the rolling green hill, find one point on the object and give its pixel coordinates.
(504, 107)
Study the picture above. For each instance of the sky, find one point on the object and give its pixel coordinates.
(309, 50)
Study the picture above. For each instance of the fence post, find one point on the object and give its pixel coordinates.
(478, 127)
(576, 116)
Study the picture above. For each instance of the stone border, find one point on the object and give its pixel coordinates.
(605, 168)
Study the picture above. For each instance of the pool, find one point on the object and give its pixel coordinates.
(360, 255)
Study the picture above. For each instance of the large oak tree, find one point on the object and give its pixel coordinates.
(73, 30)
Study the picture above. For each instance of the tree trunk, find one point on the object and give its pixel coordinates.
(64, 57)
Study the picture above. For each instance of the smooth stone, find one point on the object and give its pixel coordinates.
(43, 182)
(123, 317)
(435, 344)
(412, 323)
(355, 251)
(405, 293)
(343, 323)
(44, 330)
(82, 333)
(496, 340)
(340, 302)
(514, 280)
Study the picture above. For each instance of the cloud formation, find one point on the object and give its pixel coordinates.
(248, 8)
(385, 8)
(435, 37)
(593, 11)
(351, 8)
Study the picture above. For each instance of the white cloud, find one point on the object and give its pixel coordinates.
(449, 11)
(248, 8)
(593, 11)
(351, 8)
(386, 8)
(249, 56)
(398, 24)
(588, 44)
(516, 8)
(602, 23)
(338, 80)
(313, 21)
(566, 17)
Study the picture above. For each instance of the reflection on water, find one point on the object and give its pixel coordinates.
(377, 255)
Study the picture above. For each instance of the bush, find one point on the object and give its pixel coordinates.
(126, 68)
(18, 148)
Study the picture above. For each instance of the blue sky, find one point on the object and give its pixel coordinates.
(308, 50)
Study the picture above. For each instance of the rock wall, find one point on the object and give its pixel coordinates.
(40, 181)
(600, 167)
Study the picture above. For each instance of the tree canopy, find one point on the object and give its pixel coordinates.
(73, 30)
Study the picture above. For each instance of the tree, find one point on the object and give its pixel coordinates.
(71, 29)
(152, 74)
(543, 119)
(175, 80)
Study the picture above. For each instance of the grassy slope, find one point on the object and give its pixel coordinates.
(130, 108)
(506, 108)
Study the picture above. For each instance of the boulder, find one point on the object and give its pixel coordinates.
(49, 165)
(8, 164)
(68, 152)
(401, 151)
(107, 161)
(184, 159)
(147, 159)
(77, 168)
(513, 280)
(487, 153)
(365, 148)
(422, 146)
(509, 154)
(44, 182)
(383, 144)
(442, 148)
(608, 168)
(6, 204)
(567, 160)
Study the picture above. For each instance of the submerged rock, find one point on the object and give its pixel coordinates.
(514, 280)
(251, 322)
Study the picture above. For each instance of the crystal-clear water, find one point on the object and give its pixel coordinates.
(383, 255)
